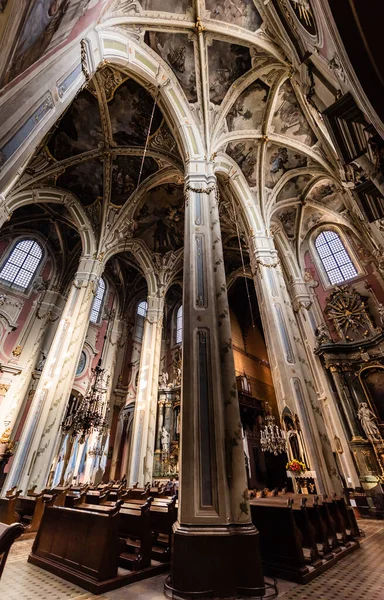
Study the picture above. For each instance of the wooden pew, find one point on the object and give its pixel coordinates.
(80, 546)
(8, 513)
(135, 529)
(8, 534)
(163, 514)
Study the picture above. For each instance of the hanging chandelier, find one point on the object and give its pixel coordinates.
(272, 437)
(92, 412)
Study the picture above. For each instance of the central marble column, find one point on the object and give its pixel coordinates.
(41, 431)
(216, 546)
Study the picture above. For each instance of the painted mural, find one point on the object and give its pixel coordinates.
(180, 7)
(40, 31)
(294, 187)
(80, 128)
(178, 52)
(327, 194)
(245, 154)
(225, 67)
(125, 173)
(248, 110)
(85, 180)
(289, 119)
(130, 113)
(237, 12)
(279, 160)
(160, 219)
(287, 218)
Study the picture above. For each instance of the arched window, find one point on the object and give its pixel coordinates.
(98, 302)
(141, 313)
(335, 258)
(179, 325)
(22, 264)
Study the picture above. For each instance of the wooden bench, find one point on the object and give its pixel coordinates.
(8, 513)
(135, 529)
(80, 546)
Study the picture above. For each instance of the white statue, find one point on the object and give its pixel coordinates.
(165, 440)
(367, 420)
(163, 379)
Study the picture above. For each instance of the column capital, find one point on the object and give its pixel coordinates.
(89, 269)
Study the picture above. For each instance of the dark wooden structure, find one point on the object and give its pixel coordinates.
(8, 534)
(302, 536)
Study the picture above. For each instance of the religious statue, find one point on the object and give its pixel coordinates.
(163, 379)
(322, 334)
(367, 420)
(165, 440)
(380, 310)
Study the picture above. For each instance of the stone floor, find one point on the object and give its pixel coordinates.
(358, 576)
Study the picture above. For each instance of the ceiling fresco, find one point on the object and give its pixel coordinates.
(294, 187)
(130, 113)
(248, 110)
(180, 6)
(80, 128)
(242, 13)
(160, 219)
(245, 155)
(289, 119)
(125, 175)
(85, 180)
(327, 194)
(178, 51)
(279, 160)
(226, 62)
(288, 219)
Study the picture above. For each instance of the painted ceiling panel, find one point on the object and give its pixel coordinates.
(79, 130)
(294, 187)
(125, 174)
(85, 180)
(178, 52)
(180, 6)
(248, 110)
(289, 119)
(130, 113)
(245, 154)
(226, 63)
(279, 160)
(238, 12)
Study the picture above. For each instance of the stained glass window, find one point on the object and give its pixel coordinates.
(22, 264)
(179, 325)
(98, 302)
(141, 313)
(335, 258)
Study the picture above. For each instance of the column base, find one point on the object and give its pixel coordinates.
(215, 562)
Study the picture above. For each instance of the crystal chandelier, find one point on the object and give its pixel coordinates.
(92, 412)
(272, 437)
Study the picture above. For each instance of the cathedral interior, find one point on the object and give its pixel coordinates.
(191, 299)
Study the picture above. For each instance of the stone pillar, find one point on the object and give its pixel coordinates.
(293, 381)
(309, 317)
(144, 425)
(41, 431)
(216, 546)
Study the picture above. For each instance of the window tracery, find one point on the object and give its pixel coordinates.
(98, 302)
(141, 313)
(22, 263)
(179, 325)
(334, 257)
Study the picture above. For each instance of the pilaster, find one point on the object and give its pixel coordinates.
(32, 462)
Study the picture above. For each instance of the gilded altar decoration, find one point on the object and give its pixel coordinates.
(296, 466)
(348, 311)
(17, 351)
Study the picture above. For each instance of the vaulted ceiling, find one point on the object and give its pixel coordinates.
(119, 153)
